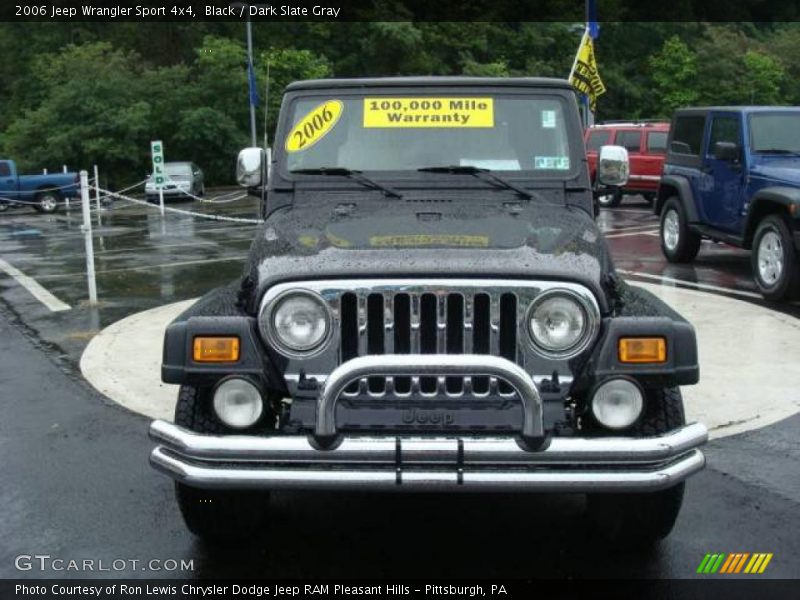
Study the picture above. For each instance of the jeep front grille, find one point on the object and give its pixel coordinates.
(429, 323)
(419, 316)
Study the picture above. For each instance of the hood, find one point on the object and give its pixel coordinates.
(497, 237)
(780, 170)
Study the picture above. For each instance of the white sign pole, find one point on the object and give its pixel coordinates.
(159, 174)
(87, 237)
(96, 189)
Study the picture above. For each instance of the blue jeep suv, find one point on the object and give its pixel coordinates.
(732, 174)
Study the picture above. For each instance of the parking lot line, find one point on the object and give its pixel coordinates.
(629, 233)
(692, 284)
(36, 290)
(613, 230)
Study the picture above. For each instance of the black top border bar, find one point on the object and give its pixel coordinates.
(148, 11)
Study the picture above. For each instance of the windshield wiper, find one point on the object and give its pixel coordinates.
(352, 174)
(778, 151)
(485, 174)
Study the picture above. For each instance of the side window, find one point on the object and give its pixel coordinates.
(630, 140)
(724, 129)
(687, 137)
(657, 142)
(5, 169)
(597, 139)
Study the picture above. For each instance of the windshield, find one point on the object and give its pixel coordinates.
(404, 132)
(775, 132)
(178, 171)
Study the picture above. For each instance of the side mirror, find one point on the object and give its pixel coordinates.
(250, 167)
(727, 151)
(613, 166)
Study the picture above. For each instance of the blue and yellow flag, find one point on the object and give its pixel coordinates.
(584, 76)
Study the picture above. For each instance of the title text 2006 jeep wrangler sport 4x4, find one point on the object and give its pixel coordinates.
(429, 306)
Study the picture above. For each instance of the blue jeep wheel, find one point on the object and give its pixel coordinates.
(775, 265)
(678, 243)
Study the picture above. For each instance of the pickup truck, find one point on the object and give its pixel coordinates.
(732, 175)
(43, 192)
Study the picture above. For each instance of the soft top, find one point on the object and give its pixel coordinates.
(429, 81)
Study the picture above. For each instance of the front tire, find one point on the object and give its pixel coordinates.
(646, 517)
(47, 202)
(774, 259)
(214, 515)
(678, 243)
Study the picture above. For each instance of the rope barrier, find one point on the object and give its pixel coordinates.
(182, 211)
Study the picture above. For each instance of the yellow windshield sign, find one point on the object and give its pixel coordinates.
(314, 126)
(428, 112)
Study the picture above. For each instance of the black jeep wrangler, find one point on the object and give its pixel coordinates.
(429, 305)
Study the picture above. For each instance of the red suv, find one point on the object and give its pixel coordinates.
(646, 142)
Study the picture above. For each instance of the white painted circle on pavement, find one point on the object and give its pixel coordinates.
(748, 366)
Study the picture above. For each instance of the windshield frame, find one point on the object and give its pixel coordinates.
(779, 112)
(574, 133)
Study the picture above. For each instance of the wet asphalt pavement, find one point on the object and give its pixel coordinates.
(75, 483)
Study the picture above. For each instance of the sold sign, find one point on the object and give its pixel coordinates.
(157, 152)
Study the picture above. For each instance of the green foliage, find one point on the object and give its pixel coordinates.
(765, 76)
(83, 93)
(91, 112)
(674, 70)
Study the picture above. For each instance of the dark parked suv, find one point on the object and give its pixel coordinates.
(429, 306)
(732, 174)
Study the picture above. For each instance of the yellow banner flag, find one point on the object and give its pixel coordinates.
(584, 76)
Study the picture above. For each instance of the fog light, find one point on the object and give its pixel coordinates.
(238, 403)
(617, 403)
(216, 349)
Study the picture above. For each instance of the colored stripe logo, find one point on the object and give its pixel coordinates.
(736, 562)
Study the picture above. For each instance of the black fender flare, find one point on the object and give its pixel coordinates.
(685, 195)
(768, 200)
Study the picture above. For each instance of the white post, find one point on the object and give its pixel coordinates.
(64, 167)
(44, 171)
(161, 200)
(87, 238)
(96, 189)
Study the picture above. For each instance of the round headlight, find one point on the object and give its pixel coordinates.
(299, 321)
(558, 323)
(617, 403)
(238, 403)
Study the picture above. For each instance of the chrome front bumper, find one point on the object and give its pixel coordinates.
(428, 464)
(329, 460)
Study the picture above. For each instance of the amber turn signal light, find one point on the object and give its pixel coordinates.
(642, 350)
(216, 349)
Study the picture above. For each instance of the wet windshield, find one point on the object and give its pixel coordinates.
(775, 133)
(499, 132)
(178, 170)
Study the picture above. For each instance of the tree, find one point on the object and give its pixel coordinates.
(92, 111)
(674, 69)
(764, 77)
